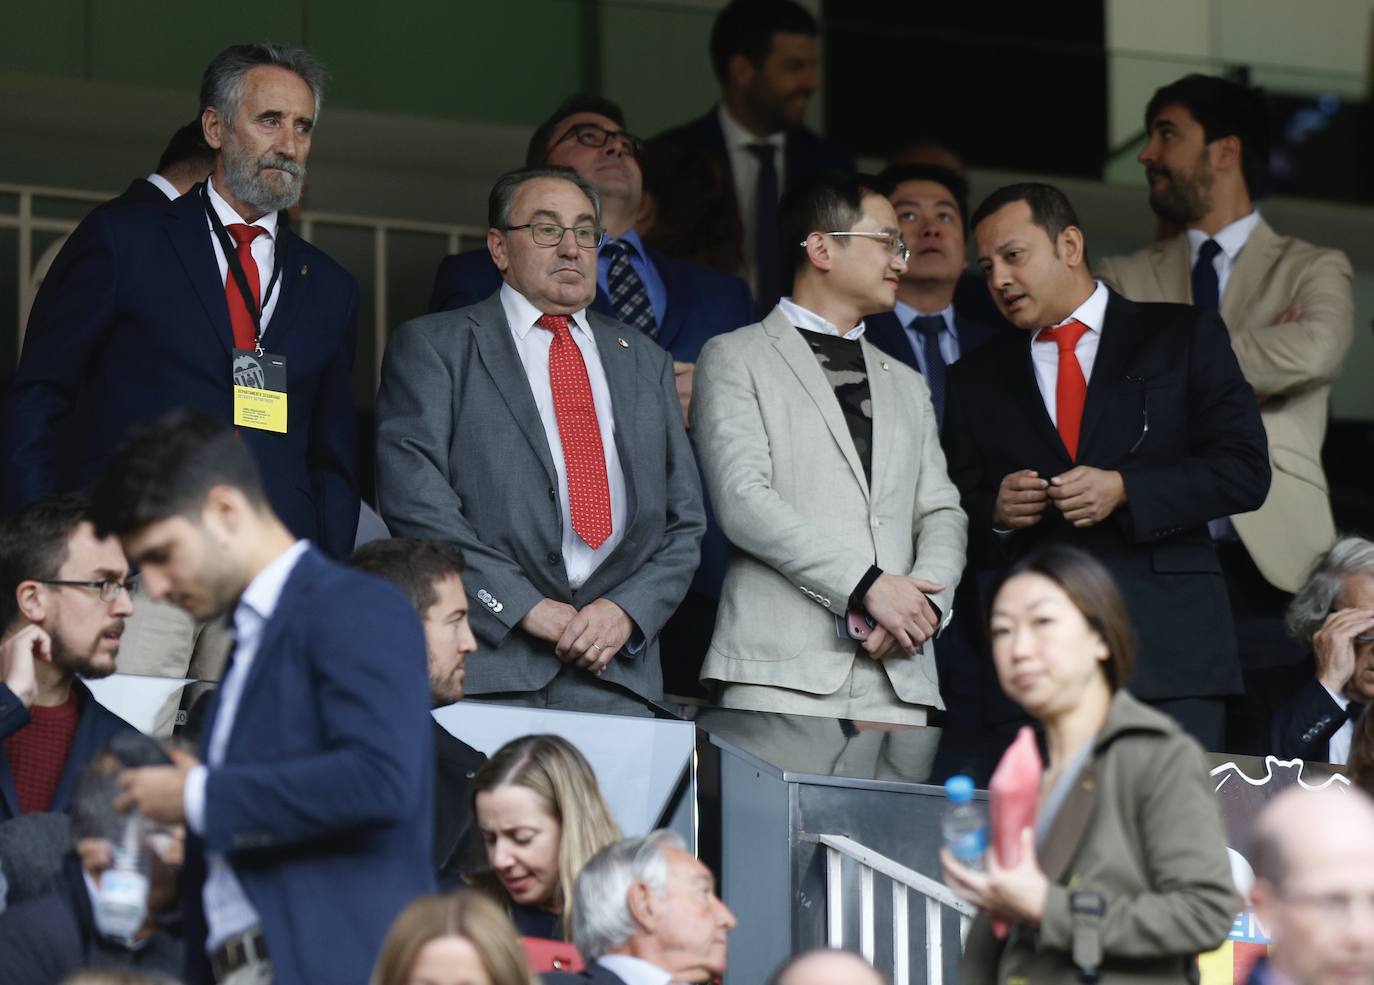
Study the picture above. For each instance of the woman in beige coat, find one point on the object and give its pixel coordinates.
(1126, 874)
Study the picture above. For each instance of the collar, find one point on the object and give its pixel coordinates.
(264, 591)
(737, 135)
(808, 320)
(634, 971)
(227, 215)
(1092, 312)
(1230, 238)
(1129, 714)
(905, 313)
(163, 185)
(522, 315)
(631, 237)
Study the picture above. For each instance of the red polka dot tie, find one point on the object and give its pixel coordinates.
(584, 458)
(1072, 388)
(240, 318)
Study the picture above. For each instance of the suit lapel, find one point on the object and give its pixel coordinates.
(1253, 264)
(673, 318)
(189, 231)
(497, 349)
(1065, 834)
(798, 355)
(1019, 374)
(618, 362)
(288, 291)
(1120, 338)
(1172, 271)
(884, 403)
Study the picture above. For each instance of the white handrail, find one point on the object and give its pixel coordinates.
(938, 897)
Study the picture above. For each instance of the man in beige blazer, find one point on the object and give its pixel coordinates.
(823, 457)
(1290, 312)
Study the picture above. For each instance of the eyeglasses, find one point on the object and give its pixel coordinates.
(551, 234)
(593, 135)
(108, 588)
(891, 241)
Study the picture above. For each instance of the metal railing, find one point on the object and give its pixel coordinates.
(31, 271)
(938, 899)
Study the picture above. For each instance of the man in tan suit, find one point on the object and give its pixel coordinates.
(823, 457)
(1290, 313)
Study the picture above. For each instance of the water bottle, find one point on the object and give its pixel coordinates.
(121, 902)
(965, 824)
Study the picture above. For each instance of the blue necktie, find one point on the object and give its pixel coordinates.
(1206, 286)
(628, 296)
(767, 267)
(930, 327)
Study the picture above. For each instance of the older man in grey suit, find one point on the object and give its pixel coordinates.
(547, 441)
(824, 462)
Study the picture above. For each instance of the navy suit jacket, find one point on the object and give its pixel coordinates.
(701, 302)
(885, 331)
(1203, 455)
(94, 728)
(324, 801)
(134, 323)
(1302, 728)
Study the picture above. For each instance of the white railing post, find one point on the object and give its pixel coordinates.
(901, 936)
(834, 897)
(935, 952)
(866, 931)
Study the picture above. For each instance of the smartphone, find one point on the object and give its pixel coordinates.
(859, 624)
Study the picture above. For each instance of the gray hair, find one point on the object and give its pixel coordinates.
(222, 84)
(1315, 600)
(601, 914)
(503, 192)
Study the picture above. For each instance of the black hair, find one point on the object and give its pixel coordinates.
(186, 148)
(411, 564)
(1224, 108)
(746, 27)
(1049, 207)
(166, 467)
(34, 545)
(896, 174)
(538, 151)
(831, 201)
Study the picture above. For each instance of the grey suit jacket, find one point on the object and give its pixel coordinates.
(805, 523)
(462, 456)
(1289, 364)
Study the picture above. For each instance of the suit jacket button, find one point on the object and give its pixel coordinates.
(553, 495)
(554, 557)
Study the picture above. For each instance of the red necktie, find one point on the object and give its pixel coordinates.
(589, 492)
(240, 318)
(1072, 387)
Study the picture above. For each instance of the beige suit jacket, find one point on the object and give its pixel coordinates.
(1289, 365)
(805, 525)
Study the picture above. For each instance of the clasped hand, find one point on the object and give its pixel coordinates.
(1085, 495)
(905, 617)
(589, 637)
(1015, 893)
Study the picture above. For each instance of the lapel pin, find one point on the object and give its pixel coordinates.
(883, 364)
(622, 343)
(305, 269)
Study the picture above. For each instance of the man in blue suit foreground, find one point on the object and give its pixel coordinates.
(310, 810)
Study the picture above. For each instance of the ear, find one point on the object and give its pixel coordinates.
(1226, 152)
(32, 601)
(818, 251)
(740, 72)
(212, 126)
(224, 510)
(640, 901)
(496, 246)
(1071, 246)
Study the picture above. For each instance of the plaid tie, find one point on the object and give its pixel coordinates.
(629, 298)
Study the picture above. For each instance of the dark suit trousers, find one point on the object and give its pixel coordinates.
(1272, 665)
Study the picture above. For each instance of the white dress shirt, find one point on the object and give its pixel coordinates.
(807, 319)
(948, 340)
(634, 971)
(533, 344)
(1045, 356)
(164, 186)
(744, 169)
(227, 908)
(1231, 239)
(1338, 746)
(264, 249)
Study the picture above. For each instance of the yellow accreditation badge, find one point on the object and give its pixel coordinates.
(259, 391)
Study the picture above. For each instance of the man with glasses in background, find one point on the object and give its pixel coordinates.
(822, 456)
(1333, 613)
(557, 461)
(63, 603)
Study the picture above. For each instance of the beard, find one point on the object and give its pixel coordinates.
(244, 177)
(90, 662)
(1180, 200)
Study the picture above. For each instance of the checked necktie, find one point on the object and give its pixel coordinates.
(240, 318)
(628, 296)
(584, 459)
(1072, 387)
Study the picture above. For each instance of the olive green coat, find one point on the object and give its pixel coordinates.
(1141, 827)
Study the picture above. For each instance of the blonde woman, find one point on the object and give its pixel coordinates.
(460, 938)
(541, 817)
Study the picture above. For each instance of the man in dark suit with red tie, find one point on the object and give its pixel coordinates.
(1118, 427)
(153, 302)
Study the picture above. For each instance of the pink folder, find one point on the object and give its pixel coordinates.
(1014, 791)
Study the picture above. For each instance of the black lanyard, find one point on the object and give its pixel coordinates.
(236, 270)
